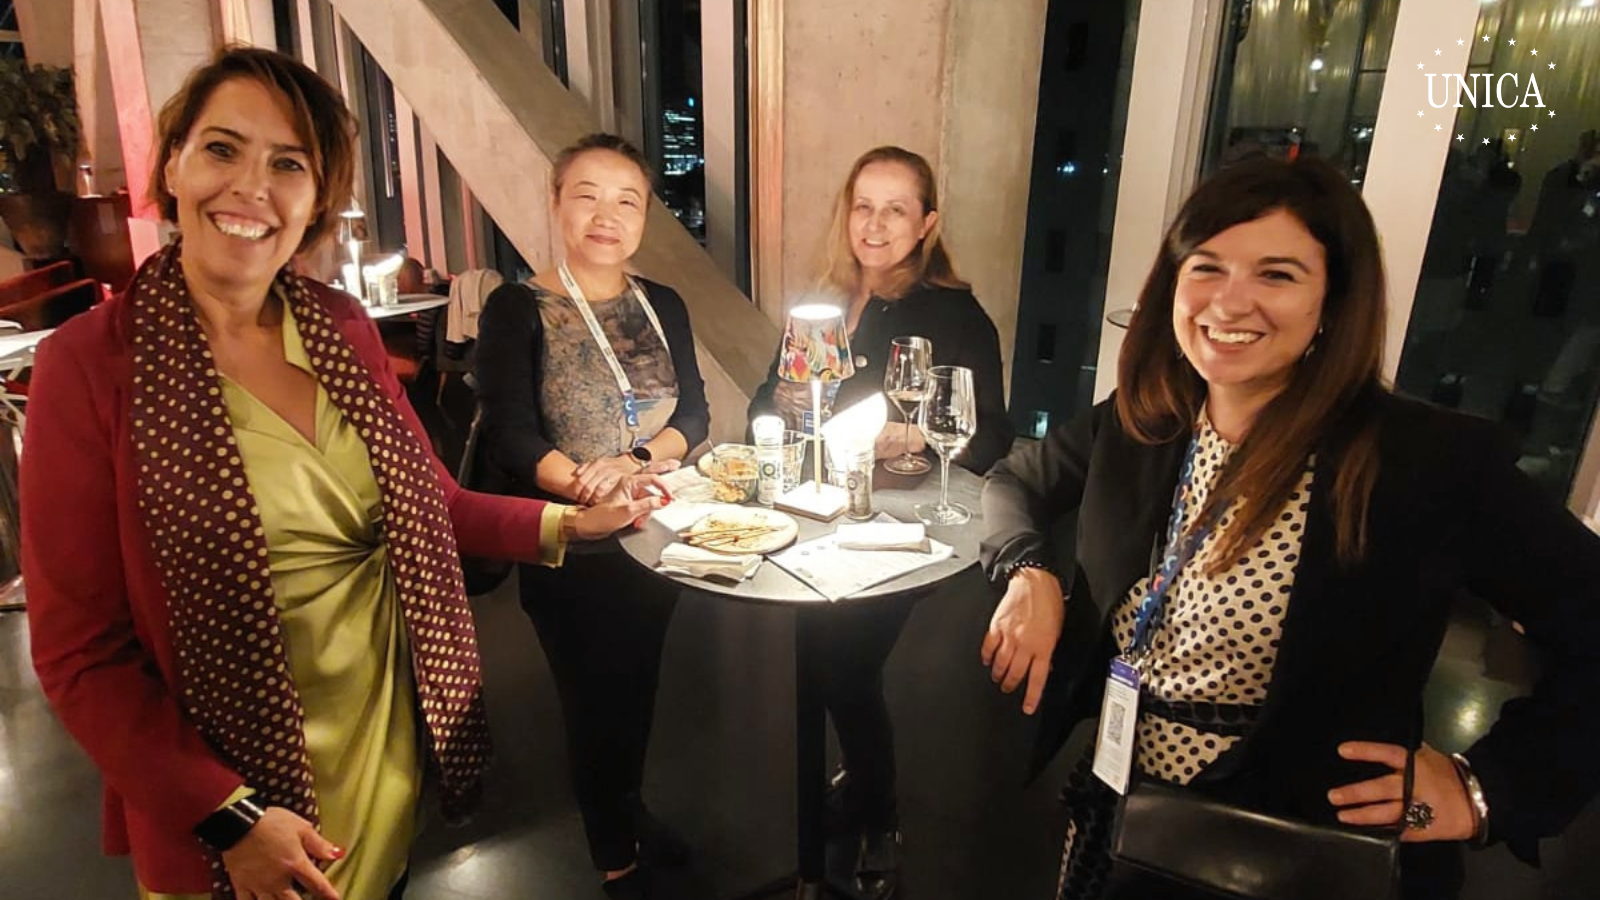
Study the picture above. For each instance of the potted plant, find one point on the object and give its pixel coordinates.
(38, 125)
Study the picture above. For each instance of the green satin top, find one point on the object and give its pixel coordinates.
(342, 629)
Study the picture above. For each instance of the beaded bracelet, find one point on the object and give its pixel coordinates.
(1019, 565)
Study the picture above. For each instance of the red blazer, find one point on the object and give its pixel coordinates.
(97, 609)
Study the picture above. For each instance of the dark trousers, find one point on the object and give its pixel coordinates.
(602, 621)
(854, 643)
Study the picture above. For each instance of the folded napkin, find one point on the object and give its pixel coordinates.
(683, 559)
(882, 536)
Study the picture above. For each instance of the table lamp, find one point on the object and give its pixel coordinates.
(816, 349)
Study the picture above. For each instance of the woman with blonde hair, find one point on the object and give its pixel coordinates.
(886, 259)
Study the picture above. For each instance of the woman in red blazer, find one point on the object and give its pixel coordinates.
(242, 561)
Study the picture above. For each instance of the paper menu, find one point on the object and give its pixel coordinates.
(836, 573)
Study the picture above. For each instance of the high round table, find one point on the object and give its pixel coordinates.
(772, 586)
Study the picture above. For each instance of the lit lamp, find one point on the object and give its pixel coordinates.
(352, 230)
(816, 349)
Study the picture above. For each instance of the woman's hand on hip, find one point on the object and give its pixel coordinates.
(1378, 801)
(279, 852)
(1023, 633)
(631, 500)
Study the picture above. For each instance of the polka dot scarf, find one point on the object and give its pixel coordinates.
(211, 549)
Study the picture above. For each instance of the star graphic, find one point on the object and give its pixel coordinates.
(1486, 39)
(1552, 65)
(1419, 65)
(1513, 137)
(1512, 42)
(1486, 140)
(1437, 52)
(1535, 51)
(1459, 42)
(1552, 114)
(1461, 137)
(1536, 126)
(1419, 114)
(1437, 127)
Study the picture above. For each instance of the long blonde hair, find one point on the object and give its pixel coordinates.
(928, 263)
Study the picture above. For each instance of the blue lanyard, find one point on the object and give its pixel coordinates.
(1180, 549)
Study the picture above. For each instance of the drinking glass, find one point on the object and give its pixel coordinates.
(949, 419)
(905, 381)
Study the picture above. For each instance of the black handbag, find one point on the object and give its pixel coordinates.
(1171, 843)
(481, 575)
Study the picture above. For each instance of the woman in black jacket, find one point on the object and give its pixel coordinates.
(1309, 531)
(884, 254)
(587, 376)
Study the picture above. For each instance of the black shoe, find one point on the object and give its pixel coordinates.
(878, 865)
(635, 885)
(659, 843)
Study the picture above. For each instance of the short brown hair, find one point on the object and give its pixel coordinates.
(1159, 394)
(597, 141)
(928, 263)
(321, 122)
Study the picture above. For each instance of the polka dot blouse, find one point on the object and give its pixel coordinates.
(1219, 640)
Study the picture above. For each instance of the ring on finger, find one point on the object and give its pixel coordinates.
(1419, 815)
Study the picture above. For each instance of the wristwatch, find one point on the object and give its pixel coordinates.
(642, 455)
(228, 825)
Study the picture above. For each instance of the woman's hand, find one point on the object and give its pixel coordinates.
(277, 853)
(1434, 782)
(1023, 634)
(898, 439)
(630, 501)
(599, 477)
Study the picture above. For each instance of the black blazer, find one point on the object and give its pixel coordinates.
(962, 335)
(1450, 512)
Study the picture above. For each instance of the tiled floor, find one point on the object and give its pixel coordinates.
(721, 769)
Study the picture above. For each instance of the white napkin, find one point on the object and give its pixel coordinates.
(882, 536)
(683, 559)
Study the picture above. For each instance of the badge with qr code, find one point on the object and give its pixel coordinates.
(1119, 726)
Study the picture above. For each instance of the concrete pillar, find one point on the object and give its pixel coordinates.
(153, 46)
(855, 75)
(991, 103)
(717, 42)
(500, 116)
(46, 29)
(97, 106)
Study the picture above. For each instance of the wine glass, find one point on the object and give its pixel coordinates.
(905, 380)
(949, 419)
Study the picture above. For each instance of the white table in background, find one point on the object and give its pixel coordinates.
(409, 303)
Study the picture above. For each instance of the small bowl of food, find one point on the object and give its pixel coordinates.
(733, 473)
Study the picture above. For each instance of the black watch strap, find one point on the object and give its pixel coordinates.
(228, 825)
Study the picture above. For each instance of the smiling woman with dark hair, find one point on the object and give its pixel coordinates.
(1282, 612)
(244, 593)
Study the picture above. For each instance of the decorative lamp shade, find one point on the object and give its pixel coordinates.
(816, 345)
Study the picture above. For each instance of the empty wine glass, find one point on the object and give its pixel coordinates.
(949, 419)
(905, 380)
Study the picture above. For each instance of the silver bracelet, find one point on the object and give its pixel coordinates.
(1480, 804)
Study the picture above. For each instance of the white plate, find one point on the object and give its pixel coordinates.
(746, 517)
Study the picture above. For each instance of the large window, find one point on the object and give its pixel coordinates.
(1301, 77)
(1506, 321)
(1083, 92)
